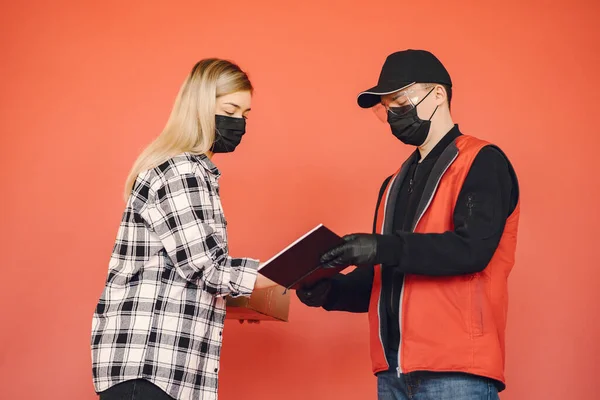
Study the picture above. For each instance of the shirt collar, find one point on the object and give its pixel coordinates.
(207, 164)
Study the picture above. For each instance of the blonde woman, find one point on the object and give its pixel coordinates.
(158, 325)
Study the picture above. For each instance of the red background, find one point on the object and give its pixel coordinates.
(86, 85)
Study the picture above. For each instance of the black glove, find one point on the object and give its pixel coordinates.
(315, 295)
(358, 249)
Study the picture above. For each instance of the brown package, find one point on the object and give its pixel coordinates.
(269, 304)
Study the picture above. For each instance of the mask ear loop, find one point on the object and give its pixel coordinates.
(436, 108)
(424, 97)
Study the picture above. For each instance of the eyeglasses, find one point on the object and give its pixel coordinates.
(402, 102)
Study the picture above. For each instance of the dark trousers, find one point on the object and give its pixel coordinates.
(136, 389)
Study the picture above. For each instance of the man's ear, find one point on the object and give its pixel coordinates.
(440, 95)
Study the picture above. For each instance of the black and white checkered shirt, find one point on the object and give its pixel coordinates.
(161, 314)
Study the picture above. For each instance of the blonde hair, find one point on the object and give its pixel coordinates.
(191, 125)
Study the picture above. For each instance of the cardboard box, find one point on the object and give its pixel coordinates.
(269, 304)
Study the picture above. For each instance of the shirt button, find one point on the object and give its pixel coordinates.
(216, 369)
(220, 333)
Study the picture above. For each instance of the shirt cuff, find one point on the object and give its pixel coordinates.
(243, 276)
(389, 249)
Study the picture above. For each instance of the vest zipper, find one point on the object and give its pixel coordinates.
(411, 183)
(404, 277)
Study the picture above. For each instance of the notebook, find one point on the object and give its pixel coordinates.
(298, 264)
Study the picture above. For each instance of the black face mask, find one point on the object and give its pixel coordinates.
(407, 126)
(229, 132)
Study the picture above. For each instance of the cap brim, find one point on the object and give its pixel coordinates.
(372, 97)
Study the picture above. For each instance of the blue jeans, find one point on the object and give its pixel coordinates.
(432, 385)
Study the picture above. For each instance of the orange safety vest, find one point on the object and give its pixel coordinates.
(447, 324)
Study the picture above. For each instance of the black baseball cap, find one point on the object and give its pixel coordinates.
(402, 69)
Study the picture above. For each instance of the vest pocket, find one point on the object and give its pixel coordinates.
(477, 293)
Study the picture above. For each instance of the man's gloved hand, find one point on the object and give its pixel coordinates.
(315, 295)
(358, 249)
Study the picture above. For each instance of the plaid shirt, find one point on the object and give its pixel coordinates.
(160, 316)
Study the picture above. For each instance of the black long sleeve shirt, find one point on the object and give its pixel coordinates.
(488, 196)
